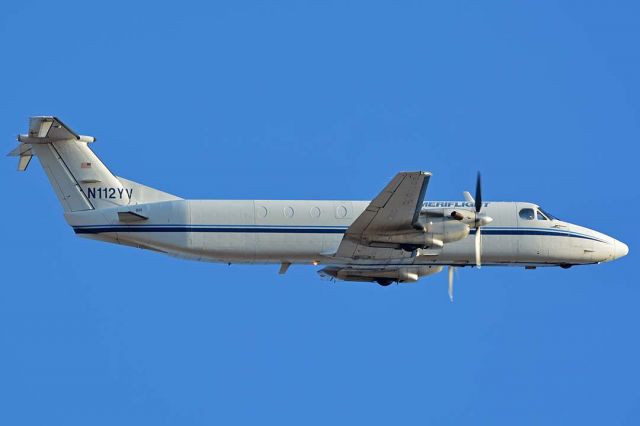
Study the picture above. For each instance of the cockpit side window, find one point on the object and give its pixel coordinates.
(540, 215)
(547, 214)
(527, 214)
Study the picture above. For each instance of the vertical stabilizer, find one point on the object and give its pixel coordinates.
(80, 180)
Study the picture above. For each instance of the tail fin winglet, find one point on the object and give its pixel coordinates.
(25, 152)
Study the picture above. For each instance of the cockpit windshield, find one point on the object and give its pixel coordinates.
(550, 216)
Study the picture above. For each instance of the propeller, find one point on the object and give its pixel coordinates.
(478, 198)
(478, 204)
(480, 221)
(451, 271)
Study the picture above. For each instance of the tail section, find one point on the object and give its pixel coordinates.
(80, 180)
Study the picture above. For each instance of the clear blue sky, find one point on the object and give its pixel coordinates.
(322, 100)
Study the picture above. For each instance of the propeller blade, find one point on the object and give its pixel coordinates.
(451, 268)
(478, 246)
(478, 194)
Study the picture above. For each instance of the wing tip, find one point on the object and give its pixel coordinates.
(419, 172)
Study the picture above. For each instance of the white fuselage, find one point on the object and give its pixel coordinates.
(396, 237)
(306, 231)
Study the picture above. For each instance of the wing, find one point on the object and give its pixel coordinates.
(395, 210)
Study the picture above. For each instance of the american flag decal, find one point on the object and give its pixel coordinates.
(85, 165)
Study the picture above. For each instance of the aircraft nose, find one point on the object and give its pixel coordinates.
(620, 249)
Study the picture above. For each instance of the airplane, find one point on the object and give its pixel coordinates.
(398, 237)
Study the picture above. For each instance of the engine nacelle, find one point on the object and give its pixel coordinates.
(414, 239)
(447, 230)
(408, 274)
(469, 217)
(437, 232)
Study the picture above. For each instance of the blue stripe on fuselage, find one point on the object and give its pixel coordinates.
(209, 228)
(278, 229)
(537, 232)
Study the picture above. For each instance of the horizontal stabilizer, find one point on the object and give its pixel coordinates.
(48, 129)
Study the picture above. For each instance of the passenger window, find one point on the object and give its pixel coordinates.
(541, 216)
(527, 214)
